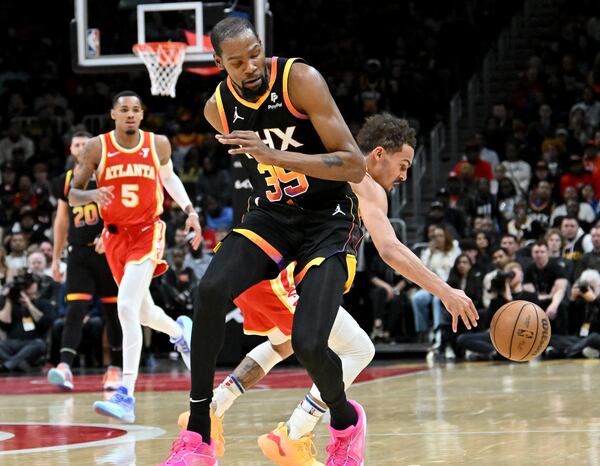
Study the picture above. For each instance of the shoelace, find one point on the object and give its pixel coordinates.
(118, 398)
(181, 345)
(175, 447)
(338, 448)
(306, 448)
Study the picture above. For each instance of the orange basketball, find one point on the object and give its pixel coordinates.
(520, 330)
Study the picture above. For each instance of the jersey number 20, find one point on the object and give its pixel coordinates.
(277, 176)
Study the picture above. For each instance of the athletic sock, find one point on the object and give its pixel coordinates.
(304, 418)
(225, 394)
(67, 355)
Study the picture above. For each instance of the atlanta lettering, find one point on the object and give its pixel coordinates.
(130, 170)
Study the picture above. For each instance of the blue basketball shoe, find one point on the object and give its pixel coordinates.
(120, 406)
(184, 342)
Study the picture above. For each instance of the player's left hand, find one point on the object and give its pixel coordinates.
(193, 223)
(459, 305)
(99, 245)
(249, 144)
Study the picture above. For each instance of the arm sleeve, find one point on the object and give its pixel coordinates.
(174, 186)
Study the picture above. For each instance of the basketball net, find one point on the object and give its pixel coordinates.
(164, 62)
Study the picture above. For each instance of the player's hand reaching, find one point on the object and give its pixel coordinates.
(250, 144)
(103, 196)
(193, 223)
(458, 304)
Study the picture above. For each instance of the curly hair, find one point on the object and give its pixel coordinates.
(387, 131)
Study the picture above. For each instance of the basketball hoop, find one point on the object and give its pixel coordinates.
(163, 61)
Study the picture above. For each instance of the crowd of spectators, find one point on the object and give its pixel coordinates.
(519, 216)
(533, 165)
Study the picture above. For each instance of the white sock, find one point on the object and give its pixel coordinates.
(304, 418)
(225, 394)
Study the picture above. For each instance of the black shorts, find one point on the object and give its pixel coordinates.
(88, 275)
(308, 236)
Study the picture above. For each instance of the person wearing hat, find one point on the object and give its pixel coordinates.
(541, 172)
(576, 176)
(436, 216)
(517, 170)
(482, 169)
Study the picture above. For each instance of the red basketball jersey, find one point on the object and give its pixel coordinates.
(134, 173)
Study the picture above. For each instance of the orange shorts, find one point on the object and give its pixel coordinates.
(133, 244)
(270, 305)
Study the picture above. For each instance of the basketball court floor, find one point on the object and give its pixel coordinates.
(538, 413)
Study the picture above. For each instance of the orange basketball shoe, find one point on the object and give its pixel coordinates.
(277, 446)
(216, 430)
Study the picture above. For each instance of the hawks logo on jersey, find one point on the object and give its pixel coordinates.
(133, 174)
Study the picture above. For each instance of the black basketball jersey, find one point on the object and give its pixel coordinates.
(282, 127)
(84, 221)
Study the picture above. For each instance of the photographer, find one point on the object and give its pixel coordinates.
(26, 320)
(508, 285)
(584, 320)
(500, 258)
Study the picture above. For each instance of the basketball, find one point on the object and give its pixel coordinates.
(520, 330)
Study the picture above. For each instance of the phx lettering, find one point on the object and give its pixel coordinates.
(286, 137)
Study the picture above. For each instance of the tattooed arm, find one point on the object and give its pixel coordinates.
(310, 95)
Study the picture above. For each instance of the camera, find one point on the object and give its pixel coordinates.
(583, 286)
(498, 283)
(19, 284)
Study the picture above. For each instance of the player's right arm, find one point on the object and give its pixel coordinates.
(373, 210)
(211, 113)
(89, 159)
(59, 233)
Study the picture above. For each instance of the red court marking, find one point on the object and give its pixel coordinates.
(39, 436)
(162, 382)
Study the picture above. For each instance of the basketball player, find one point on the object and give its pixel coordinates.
(388, 144)
(87, 275)
(299, 154)
(131, 168)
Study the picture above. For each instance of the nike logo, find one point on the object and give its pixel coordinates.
(145, 228)
(112, 154)
(198, 401)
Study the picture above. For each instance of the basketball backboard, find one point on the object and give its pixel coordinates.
(103, 32)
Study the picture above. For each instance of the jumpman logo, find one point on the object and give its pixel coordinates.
(236, 116)
(338, 210)
(145, 151)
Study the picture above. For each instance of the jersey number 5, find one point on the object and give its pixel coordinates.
(129, 196)
(277, 176)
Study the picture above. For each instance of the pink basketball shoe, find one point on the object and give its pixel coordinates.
(190, 450)
(347, 447)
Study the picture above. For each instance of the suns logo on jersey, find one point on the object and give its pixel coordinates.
(286, 137)
(129, 170)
